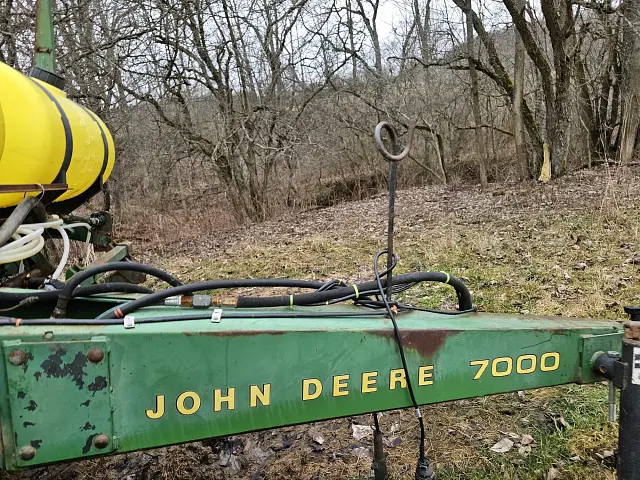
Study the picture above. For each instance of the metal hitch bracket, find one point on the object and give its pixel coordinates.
(46, 382)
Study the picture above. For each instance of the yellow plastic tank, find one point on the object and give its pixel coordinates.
(36, 123)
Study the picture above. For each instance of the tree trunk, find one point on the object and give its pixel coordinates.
(518, 88)
(630, 79)
(352, 44)
(503, 80)
(558, 17)
(481, 146)
(587, 114)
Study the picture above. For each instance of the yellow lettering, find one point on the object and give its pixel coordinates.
(483, 366)
(369, 382)
(195, 403)
(263, 395)
(502, 373)
(317, 388)
(531, 368)
(339, 386)
(219, 399)
(397, 376)
(543, 361)
(423, 374)
(159, 411)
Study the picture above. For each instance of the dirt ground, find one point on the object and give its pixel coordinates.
(570, 248)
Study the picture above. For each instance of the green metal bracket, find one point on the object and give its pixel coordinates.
(58, 395)
(592, 346)
(116, 254)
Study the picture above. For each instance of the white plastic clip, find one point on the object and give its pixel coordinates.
(129, 321)
(216, 316)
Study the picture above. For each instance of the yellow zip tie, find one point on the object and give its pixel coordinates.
(290, 301)
(448, 277)
(355, 287)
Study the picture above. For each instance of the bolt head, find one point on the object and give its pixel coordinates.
(17, 357)
(101, 441)
(27, 452)
(95, 355)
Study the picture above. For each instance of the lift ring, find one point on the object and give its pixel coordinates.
(393, 136)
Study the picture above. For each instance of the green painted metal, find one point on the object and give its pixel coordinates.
(58, 400)
(116, 254)
(45, 56)
(181, 381)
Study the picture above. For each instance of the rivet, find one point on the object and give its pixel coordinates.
(95, 355)
(17, 357)
(101, 441)
(27, 452)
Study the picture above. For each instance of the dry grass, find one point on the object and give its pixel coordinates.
(570, 248)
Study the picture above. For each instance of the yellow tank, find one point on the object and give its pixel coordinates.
(33, 138)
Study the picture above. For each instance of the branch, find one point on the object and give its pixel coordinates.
(498, 129)
(481, 67)
(593, 5)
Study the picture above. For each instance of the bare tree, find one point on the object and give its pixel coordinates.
(481, 144)
(630, 78)
(518, 90)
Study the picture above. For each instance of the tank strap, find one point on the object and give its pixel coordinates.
(96, 187)
(61, 177)
(105, 144)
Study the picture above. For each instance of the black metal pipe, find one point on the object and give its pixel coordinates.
(393, 182)
(629, 429)
(11, 224)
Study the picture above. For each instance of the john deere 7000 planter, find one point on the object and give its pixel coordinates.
(101, 365)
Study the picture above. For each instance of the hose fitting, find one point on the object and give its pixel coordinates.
(424, 470)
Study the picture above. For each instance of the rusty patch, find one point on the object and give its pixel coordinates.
(101, 441)
(17, 357)
(21, 395)
(27, 452)
(36, 443)
(28, 424)
(85, 404)
(95, 355)
(632, 330)
(32, 406)
(425, 342)
(56, 368)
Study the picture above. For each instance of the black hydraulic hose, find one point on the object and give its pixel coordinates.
(11, 224)
(318, 297)
(464, 296)
(49, 296)
(66, 293)
(110, 287)
(158, 297)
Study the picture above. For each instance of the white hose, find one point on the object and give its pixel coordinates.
(65, 253)
(28, 241)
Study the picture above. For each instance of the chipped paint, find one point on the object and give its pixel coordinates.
(55, 367)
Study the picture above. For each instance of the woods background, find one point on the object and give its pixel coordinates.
(242, 110)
